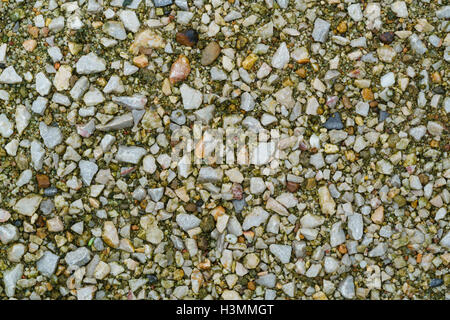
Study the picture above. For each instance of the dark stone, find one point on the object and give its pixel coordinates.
(436, 283)
(126, 3)
(383, 115)
(439, 90)
(18, 223)
(207, 224)
(187, 37)
(202, 243)
(334, 122)
(152, 279)
(199, 203)
(387, 37)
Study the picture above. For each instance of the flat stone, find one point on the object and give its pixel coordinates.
(37, 154)
(187, 221)
(180, 70)
(334, 122)
(337, 235)
(130, 20)
(282, 252)
(130, 154)
(39, 105)
(135, 102)
(209, 174)
(355, 226)
(90, 64)
(400, 9)
(78, 257)
(8, 233)
(10, 76)
(192, 99)
(16, 252)
(321, 29)
(263, 153)
(28, 204)
(4, 215)
(281, 57)
(6, 126)
(62, 77)
(257, 185)
(110, 235)
(267, 280)
(162, 3)
(52, 136)
(10, 278)
(210, 53)
(93, 97)
(118, 123)
(347, 288)
(247, 102)
(145, 39)
(355, 12)
(326, 202)
(43, 85)
(114, 85)
(88, 169)
(115, 29)
(255, 218)
(46, 265)
(79, 88)
(311, 221)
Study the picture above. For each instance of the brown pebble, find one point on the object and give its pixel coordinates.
(407, 58)
(33, 31)
(29, 45)
(43, 181)
(436, 77)
(301, 72)
(180, 69)
(367, 94)
(346, 102)
(44, 31)
(423, 178)
(146, 51)
(342, 249)
(190, 207)
(251, 285)
(140, 61)
(378, 215)
(210, 53)
(202, 243)
(292, 186)
(40, 222)
(188, 37)
(373, 104)
(387, 37)
(434, 143)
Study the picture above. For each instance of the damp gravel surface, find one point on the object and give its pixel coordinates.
(114, 183)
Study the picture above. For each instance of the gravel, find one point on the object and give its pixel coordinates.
(249, 150)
